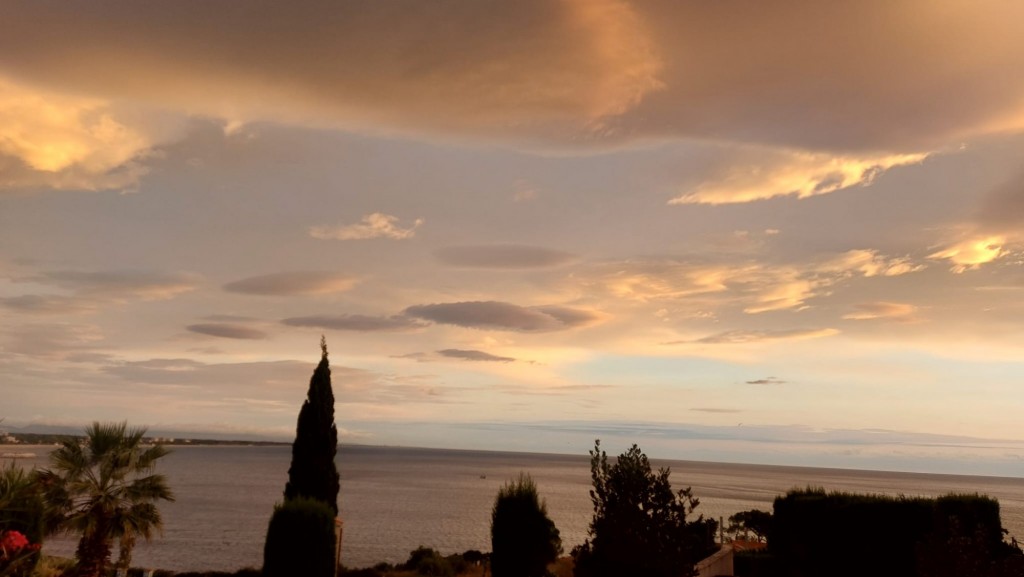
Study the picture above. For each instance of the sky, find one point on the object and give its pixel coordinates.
(727, 231)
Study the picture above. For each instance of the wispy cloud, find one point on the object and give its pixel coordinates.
(358, 323)
(494, 315)
(145, 285)
(740, 336)
(293, 283)
(799, 174)
(767, 381)
(882, 310)
(474, 355)
(376, 225)
(227, 331)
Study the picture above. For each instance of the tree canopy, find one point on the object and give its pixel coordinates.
(640, 525)
(313, 473)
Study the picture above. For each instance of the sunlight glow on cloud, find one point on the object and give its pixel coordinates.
(375, 225)
(973, 252)
(493, 315)
(882, 310)
(69, 142)
(800, 174)
(742, 337)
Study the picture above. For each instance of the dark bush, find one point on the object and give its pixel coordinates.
(429, 563)
(848, 535)
(300, 540)
(524, 540)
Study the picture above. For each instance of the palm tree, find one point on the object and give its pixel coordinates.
(104, 488)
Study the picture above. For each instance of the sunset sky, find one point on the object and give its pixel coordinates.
(731, 230)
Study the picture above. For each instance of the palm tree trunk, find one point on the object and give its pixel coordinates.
(93, 555)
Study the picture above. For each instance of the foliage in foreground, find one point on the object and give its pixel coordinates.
(524, 540)
(21, 522)
(640, 525)
(949, 536)
(104, 489)
(300, 540)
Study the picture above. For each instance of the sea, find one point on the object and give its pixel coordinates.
(394, 500)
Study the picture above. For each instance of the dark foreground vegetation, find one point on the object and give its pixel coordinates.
(103, 488)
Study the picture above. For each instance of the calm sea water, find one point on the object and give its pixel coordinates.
(394, 499)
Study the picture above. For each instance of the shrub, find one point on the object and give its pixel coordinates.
(524, 541)
(300, 540)
(428, 562)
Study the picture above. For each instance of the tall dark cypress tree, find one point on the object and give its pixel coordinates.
(313, 473)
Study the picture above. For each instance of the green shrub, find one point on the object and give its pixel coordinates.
(300, 540)
(21, 510)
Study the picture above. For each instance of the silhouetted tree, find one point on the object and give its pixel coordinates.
(313, 473)
(753, 521)
(524, 541)
(639, 525)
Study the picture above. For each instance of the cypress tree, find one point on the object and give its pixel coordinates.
(312, 473)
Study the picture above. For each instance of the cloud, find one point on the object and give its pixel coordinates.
(503, 257)
(61, 141)
(227, 331)
(472, 355)
(54, 340)
(49, 304)
(536, 67)
(494, 315)
(359, 323)
(738, 337)
(574, 72)
(972, 252)
(758, 287)
(293, 283)
(882, 310)
(767, 381)
(715, 410)
(376, 225)
(799, 174)
(145, 285)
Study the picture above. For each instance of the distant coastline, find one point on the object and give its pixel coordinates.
(15, 439)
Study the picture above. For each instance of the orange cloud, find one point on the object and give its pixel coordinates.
(973, 252)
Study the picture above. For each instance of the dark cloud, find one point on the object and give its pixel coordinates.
(503, 257)
(360, 323)
(496, 315)
(793, 74)
(472, 355)
(767, 381)
(292, 283)
(149, 285)
(755, 336)
(227, 331)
